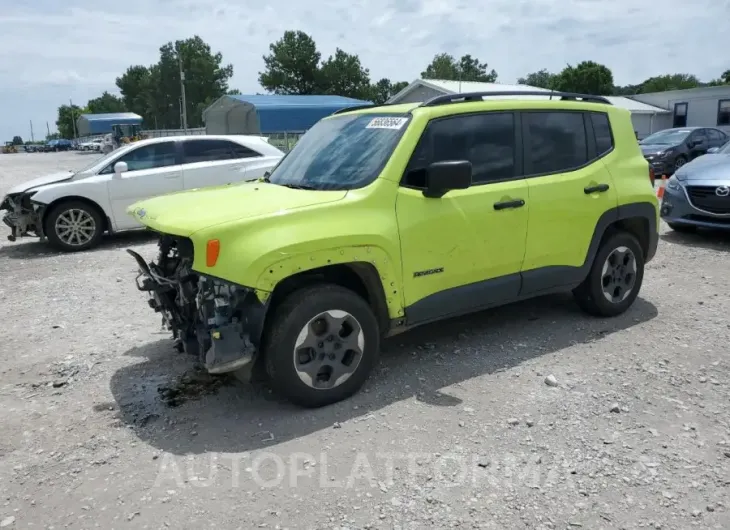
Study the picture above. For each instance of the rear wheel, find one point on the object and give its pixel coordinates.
(615, 277)
(321, 346)
(74, 225)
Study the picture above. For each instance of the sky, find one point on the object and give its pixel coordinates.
(61, 50)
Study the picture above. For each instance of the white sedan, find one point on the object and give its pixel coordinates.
(73, 210)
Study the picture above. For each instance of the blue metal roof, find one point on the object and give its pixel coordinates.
(102, 123)
(294, 113)
(112, 116)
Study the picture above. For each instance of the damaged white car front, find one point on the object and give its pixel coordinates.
(21, 214)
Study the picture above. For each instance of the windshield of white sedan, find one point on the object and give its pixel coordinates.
(342, 152)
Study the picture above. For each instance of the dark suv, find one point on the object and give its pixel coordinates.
(670, 149)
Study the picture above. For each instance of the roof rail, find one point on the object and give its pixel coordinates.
(360, 107)
(478, 96)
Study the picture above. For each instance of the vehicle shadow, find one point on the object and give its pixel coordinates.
(703, 238)
(225, 415)
(33, 249)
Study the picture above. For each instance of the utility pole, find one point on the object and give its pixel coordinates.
(73, 118)
(48, 129)
(182, 93)
(32, 138)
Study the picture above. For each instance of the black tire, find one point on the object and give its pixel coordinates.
(56, 241)
(291, 317)
(679, 162)
(590, 294)
(685, 229)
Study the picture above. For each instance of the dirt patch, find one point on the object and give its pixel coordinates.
(191, 386)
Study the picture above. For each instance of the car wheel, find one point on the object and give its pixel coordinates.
(615, 277)
(679, 162)
(321, 346)
(74, 225)
(682, 228)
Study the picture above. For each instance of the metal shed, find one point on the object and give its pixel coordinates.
(88, 124)
(271, 114)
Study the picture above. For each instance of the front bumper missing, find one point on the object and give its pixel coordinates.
(219, 322)
(25, 219)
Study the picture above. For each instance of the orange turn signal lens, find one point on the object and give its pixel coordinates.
(212, 251)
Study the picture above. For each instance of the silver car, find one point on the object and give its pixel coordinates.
(698, 194)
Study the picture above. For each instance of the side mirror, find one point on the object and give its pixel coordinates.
(119, 168)
(441, 177)
(713, 150)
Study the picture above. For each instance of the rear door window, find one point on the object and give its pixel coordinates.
(557, 142)
(214, 150)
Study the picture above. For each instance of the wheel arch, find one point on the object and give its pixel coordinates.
(362, 278)
(80, 198)
(639, 219)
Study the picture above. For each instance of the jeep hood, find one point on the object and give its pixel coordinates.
(41, 181)
(187, 212)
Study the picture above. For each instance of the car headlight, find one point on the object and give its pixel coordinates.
(666, 153)
(673, 184)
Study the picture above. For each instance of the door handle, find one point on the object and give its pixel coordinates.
(598, 188)
(517, 203)
(173, 176)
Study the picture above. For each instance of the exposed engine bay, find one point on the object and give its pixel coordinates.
(22, 216)
(217, 321)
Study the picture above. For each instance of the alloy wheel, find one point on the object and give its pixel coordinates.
(75, 227)
(328, 349)
(618, 276)
(678, 163)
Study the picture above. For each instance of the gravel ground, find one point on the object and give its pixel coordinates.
(530, 416)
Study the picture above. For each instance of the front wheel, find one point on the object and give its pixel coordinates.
(321, 346)
(73, 226)
(615, 277)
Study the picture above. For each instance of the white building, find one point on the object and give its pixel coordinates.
(646, 118)
(700, 107)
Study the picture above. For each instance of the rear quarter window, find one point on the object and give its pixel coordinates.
(602, 133)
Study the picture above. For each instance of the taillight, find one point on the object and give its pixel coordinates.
(212, 250)
(652, 177)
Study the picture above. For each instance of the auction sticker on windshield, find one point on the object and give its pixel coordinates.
(386, 123)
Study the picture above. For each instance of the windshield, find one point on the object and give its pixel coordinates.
(668, 137)
(99, 160)
(342, 152)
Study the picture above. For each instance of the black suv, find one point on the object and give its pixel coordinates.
(670, 149)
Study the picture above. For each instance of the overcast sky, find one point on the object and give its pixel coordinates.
(56, 50)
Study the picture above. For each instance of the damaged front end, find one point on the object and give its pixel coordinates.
(217, 321)
(24, 217)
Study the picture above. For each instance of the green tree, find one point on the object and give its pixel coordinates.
(343, 75)
(67, 116)
(154, 92)
(105, 103)
(137, 91)
(468, 68)
(726, 77)
(17, 140)
(539, 79)
(662, 83)
(292, 66)
(587, 77)
(384, 89)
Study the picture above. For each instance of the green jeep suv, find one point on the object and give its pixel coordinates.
(387, 217)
